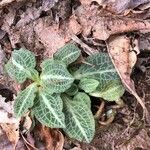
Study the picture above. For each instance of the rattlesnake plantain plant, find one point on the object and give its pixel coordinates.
(59, 96)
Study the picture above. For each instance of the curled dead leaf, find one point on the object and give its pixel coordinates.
(123, 60)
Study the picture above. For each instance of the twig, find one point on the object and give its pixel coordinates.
(108, 121)
(85, 47)
(27, 143)
(100, 110)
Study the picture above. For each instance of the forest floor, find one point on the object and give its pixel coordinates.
(43, 26)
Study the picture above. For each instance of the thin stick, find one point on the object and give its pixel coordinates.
(85, 47)
(100, 110)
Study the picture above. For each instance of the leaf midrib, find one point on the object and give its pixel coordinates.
(51, 109)
(24, 101)
(77, 122)
(67, 56)
(100, 72)
(45, 77)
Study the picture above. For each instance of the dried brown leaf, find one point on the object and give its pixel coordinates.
(6, 112)
(102, 26)
(51, 37)
(106, 26)
(4, 141)
(47, 4)
(140, 141)
(8, 122)
(6, 2)
(123, 60)
(74, 26)
(12, 132)
(53, 139)
(88, 2)
(117, 6)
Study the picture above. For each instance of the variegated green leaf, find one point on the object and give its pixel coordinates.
(88, 85)
(72, 90)
(80, 124)
(83, 97)
(55, 76)
(48, 110)
(15, 73)
(112, 91)
(34, 75)
(24, 100)
(98, 67)
(68, 54)
(20, 64)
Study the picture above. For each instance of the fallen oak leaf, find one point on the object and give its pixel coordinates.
(119, 52)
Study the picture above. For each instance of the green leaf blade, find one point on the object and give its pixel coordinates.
(23, 59)
(24, 100)
(73, 90)
(88, 85)
(79, 120)
(15, 73)
(83, 97)
(112, 91)
(68, 54)
(20, 65)
(98, 67)
(48, 110)
(55, 76)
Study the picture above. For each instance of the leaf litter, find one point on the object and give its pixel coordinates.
(36, 23)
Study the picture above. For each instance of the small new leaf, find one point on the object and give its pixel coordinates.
(55, 76)
(112, 91)
(48, 110)
(24, 100)
(88, 85)
(80, 124)
(20, 64)
(72, 90)
(67, 54)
